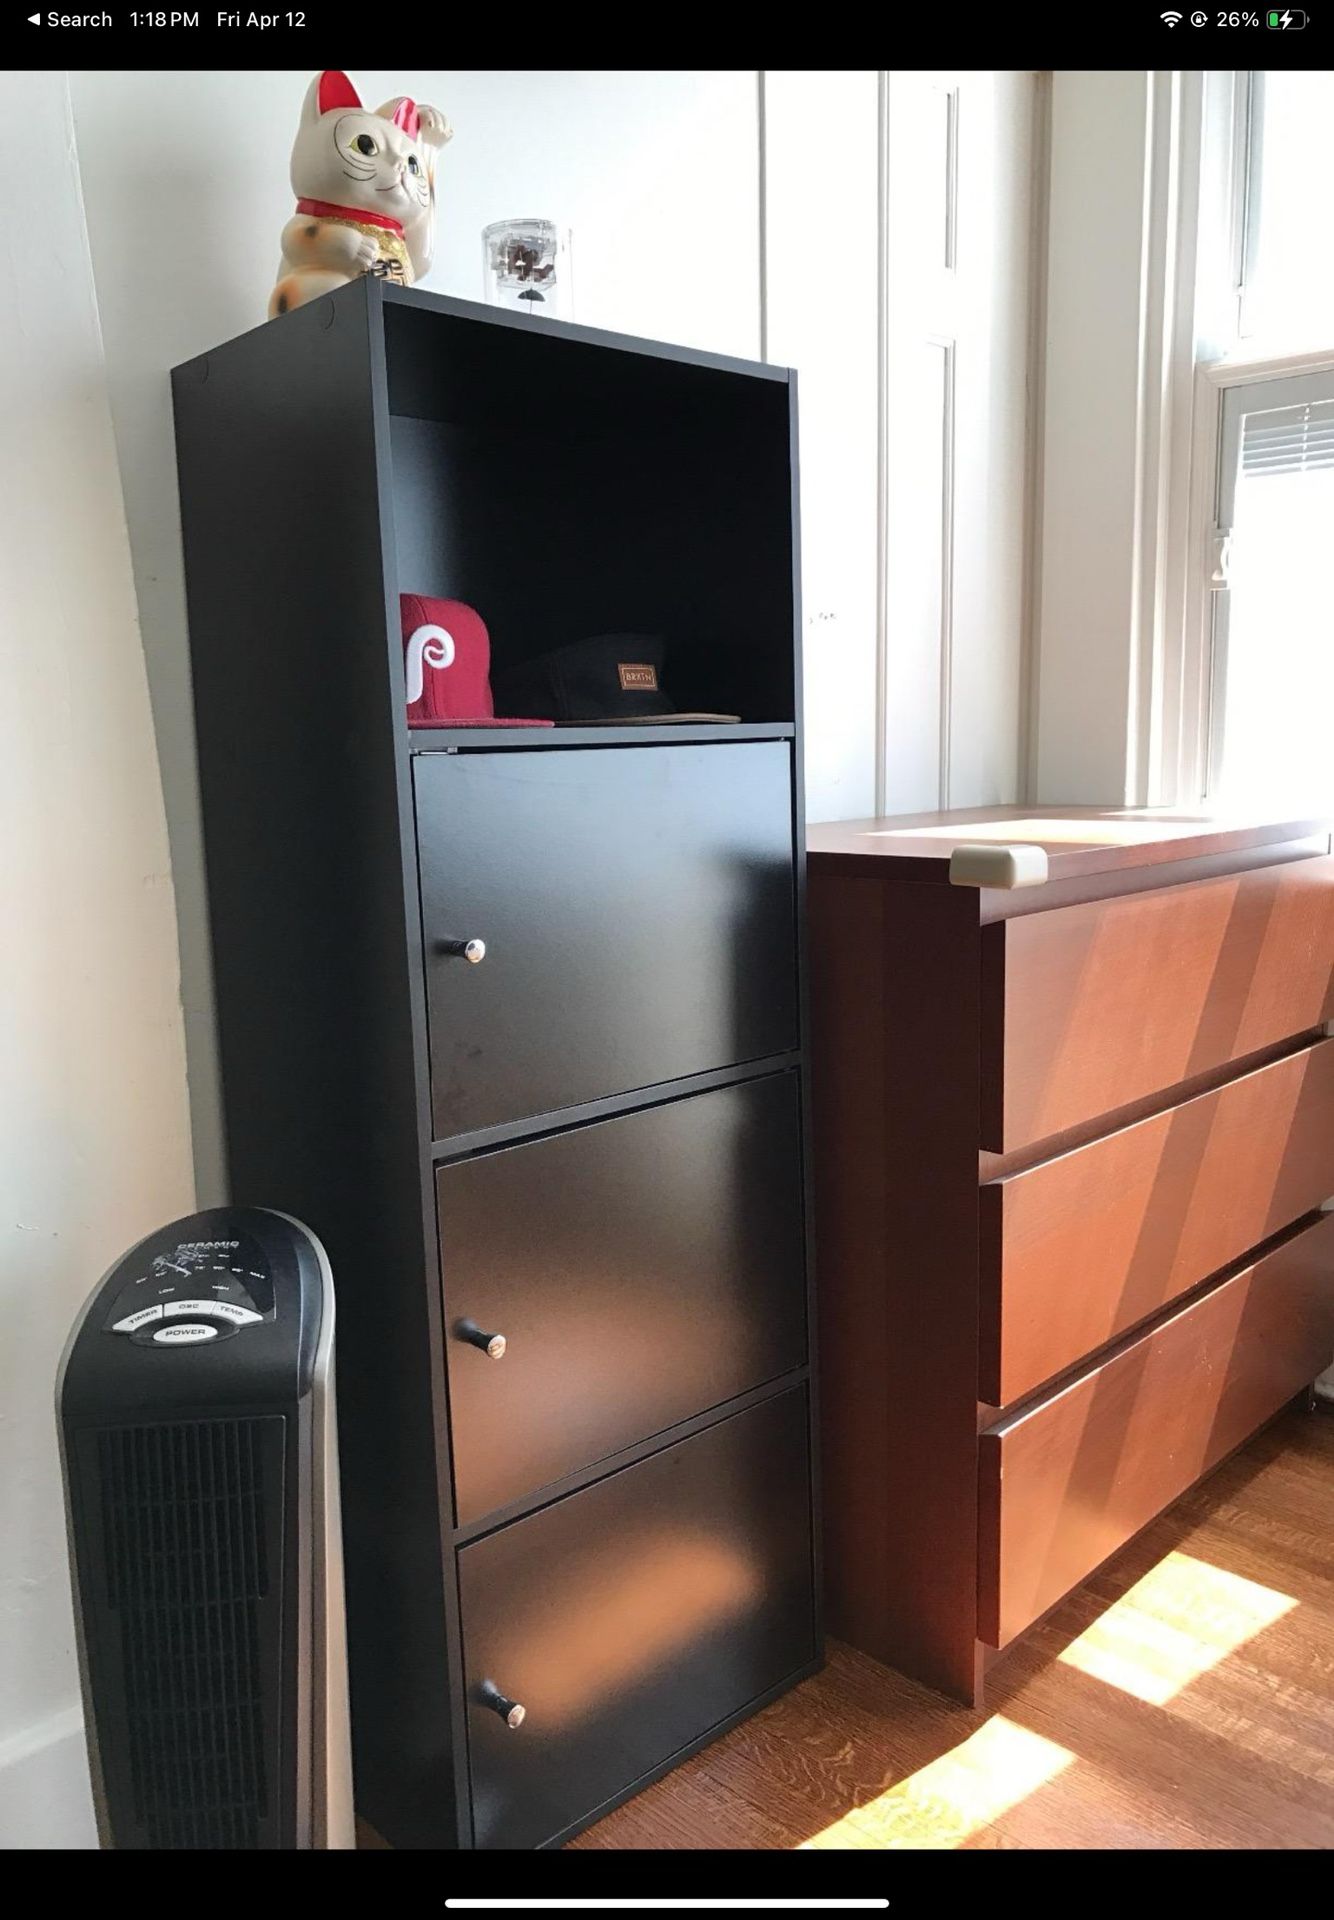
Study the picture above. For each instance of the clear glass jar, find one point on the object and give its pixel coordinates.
(522, 266)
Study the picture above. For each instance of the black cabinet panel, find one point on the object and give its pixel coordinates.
(628, 1619)
(640, 1271)
(638, 912)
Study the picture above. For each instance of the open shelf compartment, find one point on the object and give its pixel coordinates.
(565, 491)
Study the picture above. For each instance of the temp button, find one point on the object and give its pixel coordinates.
(229, 1310)
(182, 1335)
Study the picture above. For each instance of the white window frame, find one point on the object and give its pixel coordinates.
(1225, 360)
(1214, 383)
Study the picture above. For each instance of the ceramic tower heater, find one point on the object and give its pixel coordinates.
(196, 1412)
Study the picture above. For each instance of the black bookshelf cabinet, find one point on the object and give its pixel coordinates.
(594, 1143)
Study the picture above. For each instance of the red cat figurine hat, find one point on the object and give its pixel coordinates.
(447, 665)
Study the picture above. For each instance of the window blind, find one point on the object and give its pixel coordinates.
(1288, 439)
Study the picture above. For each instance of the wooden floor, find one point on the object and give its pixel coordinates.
(1183, 1698)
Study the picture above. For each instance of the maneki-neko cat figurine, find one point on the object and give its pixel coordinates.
(365, 192)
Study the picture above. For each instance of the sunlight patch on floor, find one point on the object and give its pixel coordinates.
(1176, 1623)
(966, 1789)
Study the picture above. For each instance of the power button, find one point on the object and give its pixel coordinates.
(181, 1336)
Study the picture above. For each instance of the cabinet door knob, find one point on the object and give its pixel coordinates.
(509, 1710)
(474, 951)
(491, 1344)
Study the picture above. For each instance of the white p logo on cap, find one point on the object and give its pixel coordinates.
(428, 647)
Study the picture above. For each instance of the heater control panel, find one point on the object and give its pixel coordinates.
(198, 1292)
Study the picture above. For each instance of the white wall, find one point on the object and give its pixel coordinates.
(1118, 369)
(915, 406)
(822, 217)
(94, 1142)
(186, 189)
(957, 408)
(1092, 407)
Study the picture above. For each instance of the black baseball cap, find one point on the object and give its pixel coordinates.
(612, 679)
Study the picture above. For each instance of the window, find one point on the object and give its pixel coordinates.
(1264, 460)
(1272, 707)
(1287, 265)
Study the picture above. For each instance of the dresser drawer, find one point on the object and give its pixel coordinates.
(1077, 1250)
(641, 1270)
(1066, 1482)
(638, 912)
(1089, 1008)
(631, 1618)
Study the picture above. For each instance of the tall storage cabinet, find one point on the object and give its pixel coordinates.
(593, 1143)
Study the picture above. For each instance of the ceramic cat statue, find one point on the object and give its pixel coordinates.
(365, 192)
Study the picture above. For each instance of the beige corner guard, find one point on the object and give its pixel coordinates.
(978, 865)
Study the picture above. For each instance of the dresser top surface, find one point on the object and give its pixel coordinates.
(1076, 840)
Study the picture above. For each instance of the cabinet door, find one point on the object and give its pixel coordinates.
(640, 1272)
(631, 1618)
(637, 908)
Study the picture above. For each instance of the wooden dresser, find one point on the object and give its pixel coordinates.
(1074, 1102)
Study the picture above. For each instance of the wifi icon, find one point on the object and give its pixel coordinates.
(1170, 19)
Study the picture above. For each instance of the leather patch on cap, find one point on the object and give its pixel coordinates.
(637, 678)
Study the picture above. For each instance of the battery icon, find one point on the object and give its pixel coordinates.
(1286, 18)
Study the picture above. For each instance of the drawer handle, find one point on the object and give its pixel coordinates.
(509, 1710)
(474, 951)
(493, 1345)
(998, 866)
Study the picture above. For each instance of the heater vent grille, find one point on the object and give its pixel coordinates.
(192, 1565)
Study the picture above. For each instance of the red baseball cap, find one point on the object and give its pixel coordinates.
(447, 664)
